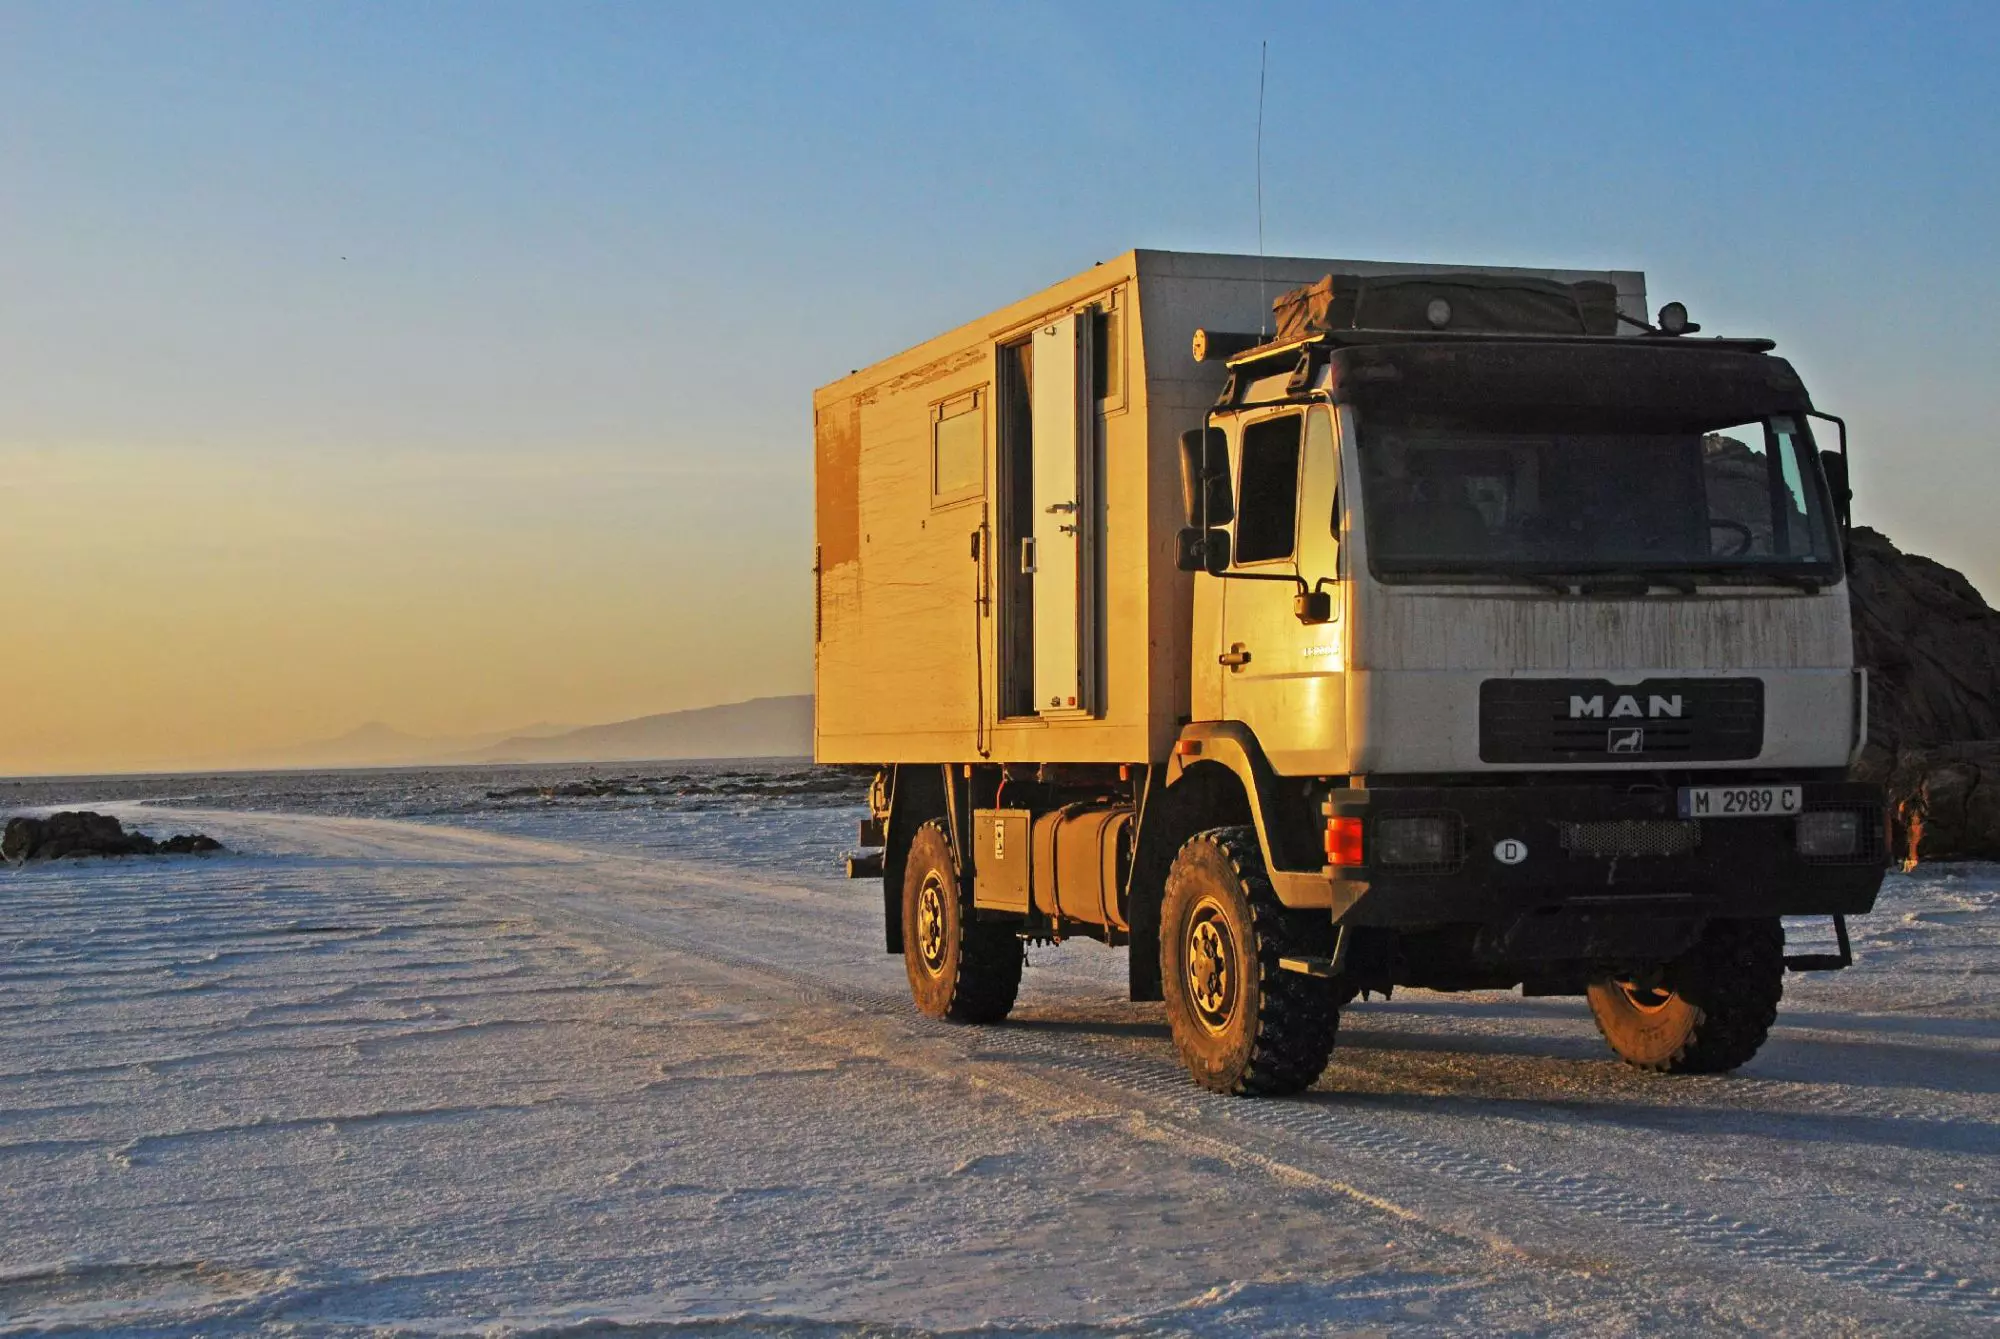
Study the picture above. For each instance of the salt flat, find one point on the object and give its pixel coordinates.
(555, 1073)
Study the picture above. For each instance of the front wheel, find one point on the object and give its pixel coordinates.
(959, 968)
(1709, 1010)
(1241, 1022)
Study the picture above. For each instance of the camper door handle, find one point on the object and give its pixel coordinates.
(1028, 556)
(1236, 657)
(1056, 508)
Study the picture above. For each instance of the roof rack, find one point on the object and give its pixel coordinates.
(1300, 360)
(1242, 350)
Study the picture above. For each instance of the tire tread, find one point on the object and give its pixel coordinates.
(1298, 1019)
(989, 956)
(1734, 978)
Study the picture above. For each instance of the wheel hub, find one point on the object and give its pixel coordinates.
(1646, 999)
(1211, 967)
(930, 923)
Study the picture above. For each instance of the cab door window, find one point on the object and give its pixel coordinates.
(1267, 490)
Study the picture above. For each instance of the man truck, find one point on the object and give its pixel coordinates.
(1449, 627)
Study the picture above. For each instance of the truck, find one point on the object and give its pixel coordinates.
(1315, 627)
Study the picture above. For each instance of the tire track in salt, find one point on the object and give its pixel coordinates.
(1168, 1086)
(1163, 1086)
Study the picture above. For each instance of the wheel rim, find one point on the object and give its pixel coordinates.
(930, 923)
(1646, 999)
(1212, 976)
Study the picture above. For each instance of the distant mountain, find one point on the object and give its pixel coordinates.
(378, 745)
(764, 727)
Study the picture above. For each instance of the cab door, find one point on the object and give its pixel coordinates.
(1281, 677)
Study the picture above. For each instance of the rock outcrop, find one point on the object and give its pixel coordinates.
(1932, 648)
(1945, 801)
(73, 835)
(190, 843)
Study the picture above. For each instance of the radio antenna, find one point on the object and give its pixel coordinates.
(1263, 306)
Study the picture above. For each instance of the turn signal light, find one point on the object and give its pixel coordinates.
(1343, 841)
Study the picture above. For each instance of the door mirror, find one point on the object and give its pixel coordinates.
(1203, 551)
(1834, 466)
(1205, 496)
(1313, 606)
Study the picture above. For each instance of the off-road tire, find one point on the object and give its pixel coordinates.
(1712, 1009)
(1241, 1023)
(959, 969)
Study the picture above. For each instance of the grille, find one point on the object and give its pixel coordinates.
(1660, 721)
(1634, 837)
(1872, 846)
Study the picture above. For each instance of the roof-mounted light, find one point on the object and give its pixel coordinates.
(1674, 320)
(1438, 313)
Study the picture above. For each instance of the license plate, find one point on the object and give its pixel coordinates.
(1739, 801)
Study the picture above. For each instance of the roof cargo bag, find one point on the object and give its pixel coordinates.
(1473, 302)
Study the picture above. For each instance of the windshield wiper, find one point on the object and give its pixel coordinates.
(1609, 583)
(1637, 583)
(1628, 582)
(1749, 574)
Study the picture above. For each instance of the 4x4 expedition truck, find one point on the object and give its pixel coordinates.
(1437, 626)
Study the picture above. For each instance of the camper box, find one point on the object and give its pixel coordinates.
(995, 570)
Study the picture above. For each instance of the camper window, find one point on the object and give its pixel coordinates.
(1267, 494)
(958, 449)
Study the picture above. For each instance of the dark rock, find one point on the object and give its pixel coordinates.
(1931, 645)
(1945, 801)
(69, 835)
(841, 782)
(73, 835)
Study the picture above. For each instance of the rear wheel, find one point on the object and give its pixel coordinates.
(1708, 1011)
(1241, 1023)
(959, 969)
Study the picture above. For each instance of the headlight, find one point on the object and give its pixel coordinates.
(1827, 832)
(1418, 839)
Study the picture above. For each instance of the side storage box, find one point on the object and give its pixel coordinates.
(1000, 860)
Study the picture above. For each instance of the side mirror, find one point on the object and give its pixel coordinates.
(1313, 606)
(1834, 466)
(1205, 478)
(1203, 551)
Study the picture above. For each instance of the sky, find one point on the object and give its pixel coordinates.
(451, 365)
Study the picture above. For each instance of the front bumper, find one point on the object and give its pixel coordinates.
(1607, 850)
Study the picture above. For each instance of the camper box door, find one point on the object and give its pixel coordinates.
(1064, 520)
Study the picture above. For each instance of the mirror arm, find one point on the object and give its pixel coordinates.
(1298, 581)
(1838, 422)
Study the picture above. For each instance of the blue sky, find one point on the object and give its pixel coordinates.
(454, 242)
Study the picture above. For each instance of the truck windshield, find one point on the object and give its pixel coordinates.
(1463, 498)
